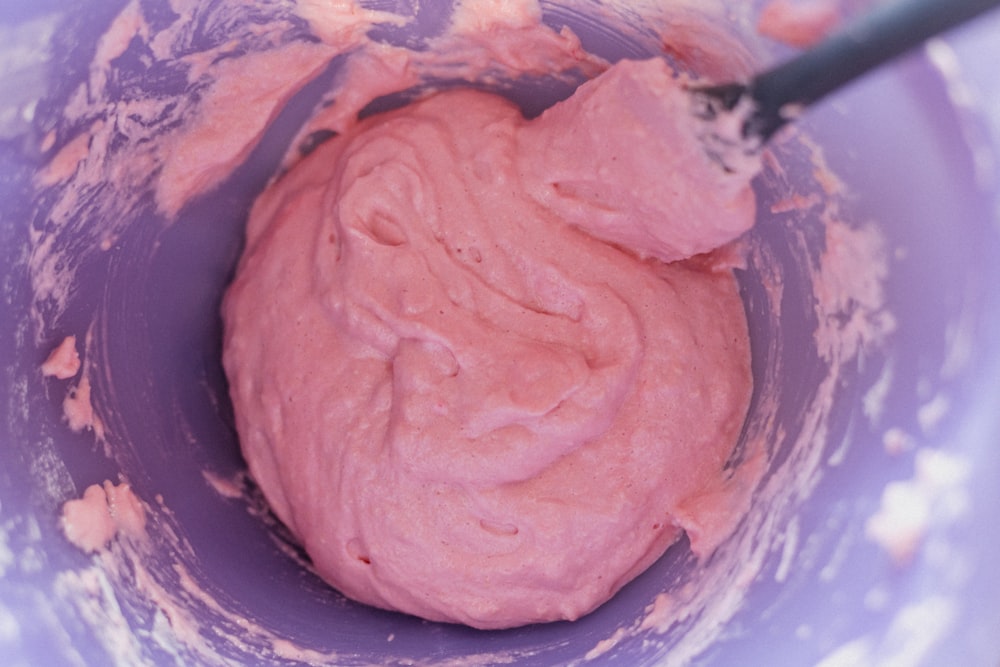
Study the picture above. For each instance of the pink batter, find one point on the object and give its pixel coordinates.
(800, 23)
(64, 361)
(463, 374)
(104, 511)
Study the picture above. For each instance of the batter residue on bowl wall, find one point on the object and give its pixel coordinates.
(119, 151)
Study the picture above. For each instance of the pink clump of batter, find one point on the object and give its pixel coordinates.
(799, 23)
(64, 361)
(471, 370)
(93, 521)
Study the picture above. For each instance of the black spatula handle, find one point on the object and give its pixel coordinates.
(887, 31)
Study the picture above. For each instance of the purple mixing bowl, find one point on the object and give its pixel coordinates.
(918, 166)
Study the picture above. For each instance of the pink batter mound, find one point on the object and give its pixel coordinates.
(464, 375)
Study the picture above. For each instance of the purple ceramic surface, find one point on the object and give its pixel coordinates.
(917, 166)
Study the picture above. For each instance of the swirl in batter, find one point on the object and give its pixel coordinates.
(472, 368)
